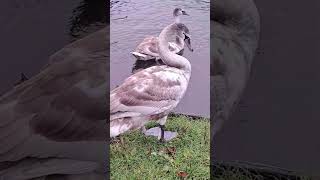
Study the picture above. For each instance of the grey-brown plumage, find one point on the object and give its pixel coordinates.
(148, 48)
(147, 95)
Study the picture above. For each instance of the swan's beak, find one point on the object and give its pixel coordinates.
(185, 13)
(187, 40)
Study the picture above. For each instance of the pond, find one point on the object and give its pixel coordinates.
(132, 21)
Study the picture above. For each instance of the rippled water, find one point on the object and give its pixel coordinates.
(132, 21)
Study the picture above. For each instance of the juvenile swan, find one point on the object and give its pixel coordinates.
(148, 48)
(152, 93)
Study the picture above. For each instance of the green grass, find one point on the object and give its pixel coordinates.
(185, 157)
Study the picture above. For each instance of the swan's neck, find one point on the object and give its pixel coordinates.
(177, 19)
(169, 58)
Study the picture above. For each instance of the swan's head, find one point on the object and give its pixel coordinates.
(179, 12)
(184, 33)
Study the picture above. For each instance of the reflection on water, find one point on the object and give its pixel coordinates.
(132, 21)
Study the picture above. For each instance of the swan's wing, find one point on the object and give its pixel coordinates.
(149, 92)
(147, 49)
(61, 112)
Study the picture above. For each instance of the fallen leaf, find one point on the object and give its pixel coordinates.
(182, 174)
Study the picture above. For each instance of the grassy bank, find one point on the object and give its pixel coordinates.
(140, 157)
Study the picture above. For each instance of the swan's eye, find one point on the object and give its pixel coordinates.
(184, 12)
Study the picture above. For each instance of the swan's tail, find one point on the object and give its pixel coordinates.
(122, 125)
(139, 56)
(145, 57)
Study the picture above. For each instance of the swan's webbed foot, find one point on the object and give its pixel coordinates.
(156, 131)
